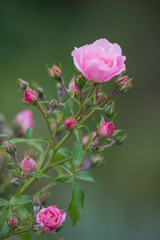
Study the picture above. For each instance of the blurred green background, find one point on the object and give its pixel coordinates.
(124, 203)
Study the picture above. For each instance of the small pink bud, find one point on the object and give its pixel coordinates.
(73, 87)
(28, 164)
(30, 96)
(11, 149)
(69, 124)
(86, 138)
(107, 129)
(123, 84)
(13, 221)
(55, 72)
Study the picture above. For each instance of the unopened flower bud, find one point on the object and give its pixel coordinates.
(107, 129)
(36, 206)
(41, 93)
(55, 72)
(16, 182)
(94, 137)
(11, 149)
(28, 165)
(52, 104)
(80, 82)
(23, 84)
(30, 96)
(73, 87)
(109, 110)
(69, 124)
(94, 146)
(123, 84)
(13, 221)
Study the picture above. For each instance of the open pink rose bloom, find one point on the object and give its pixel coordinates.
(99, 61)
(50, 218)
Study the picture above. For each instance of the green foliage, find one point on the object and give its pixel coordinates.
(64, 178)
(84, 175)
(67, 107)
(29, 132)
(22, 200)
(76, 209)
(77, 155)
(4, 227)
(3, 202)
(61, 154)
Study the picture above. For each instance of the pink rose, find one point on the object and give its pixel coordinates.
(72, 86)
(28, 165)
(24, 120)
(99, 61)
(107, 129)
(30, 96)
(69, 124)
(86, 138)
(50, 218)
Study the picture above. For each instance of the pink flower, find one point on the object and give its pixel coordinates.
(24, 120)
(50, 218)
(99, 61)
(28, 165)
(55, 72)
(69, 124)
(107, 129)
(86, 138)
(30, 96)
(13, 221)
(73, 87)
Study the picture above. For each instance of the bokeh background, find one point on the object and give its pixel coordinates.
(124, 203)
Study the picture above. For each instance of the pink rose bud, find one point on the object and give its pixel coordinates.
(11, 149)
(55, 72)
(99, 61)
(30, 96)
(107, 129)
(28, 165)
(24, 120)
(50, 218)
(73, 87)
(123, 84)
(13, 222)
(69, 124)
(86, 138)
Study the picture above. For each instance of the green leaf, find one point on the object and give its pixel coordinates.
(4, 135)
(67, 107)
(22, 213)
(77, 155)
(84, 175)
(4, 227)
(61, 154)
(24, 236)
(29, 132)
(64, 178)
(76, 209)
(22, 200)
(3, 202)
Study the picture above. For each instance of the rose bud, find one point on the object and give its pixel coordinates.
(30, 96)
(23, 84)
(73, 87)
(109, 110)
(11, 149)
(50, 218)
(55, 72)
(86, 138)
(16, 182)
(41, 93)
(24, 120)
(13, 222)
(107, 129)
(69, 124)
(80, 82)
(94, 146)
(28, 165)
(123, 84)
